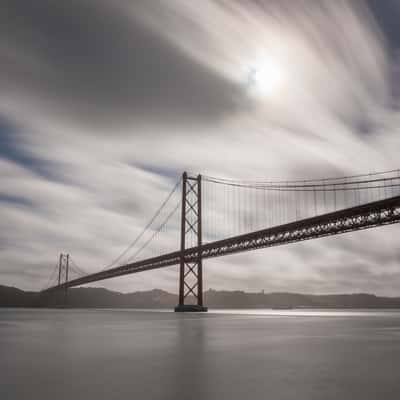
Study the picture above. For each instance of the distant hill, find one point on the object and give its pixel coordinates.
(156, 298)
(13, 297)
(239, 299)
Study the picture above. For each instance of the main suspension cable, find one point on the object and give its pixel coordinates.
(51, 278)
(144, 230)
(304, 181)
(155, 233)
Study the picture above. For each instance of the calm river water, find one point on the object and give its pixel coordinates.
(128, 354)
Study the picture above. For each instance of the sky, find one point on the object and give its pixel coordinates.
(104, 104)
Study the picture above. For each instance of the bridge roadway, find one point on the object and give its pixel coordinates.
(369, 215)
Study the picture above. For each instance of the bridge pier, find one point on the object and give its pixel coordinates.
(63, 271)
(190, 308)
(191, 271)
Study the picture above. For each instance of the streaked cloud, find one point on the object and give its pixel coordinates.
(103, 105)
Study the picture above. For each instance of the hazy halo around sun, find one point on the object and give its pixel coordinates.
(265, 78)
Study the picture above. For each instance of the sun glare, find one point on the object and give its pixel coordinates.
(265, 78)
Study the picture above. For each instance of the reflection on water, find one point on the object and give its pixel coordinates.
(312, 312)
(299, 312)
(225, 354)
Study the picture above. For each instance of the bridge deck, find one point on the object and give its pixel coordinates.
(369, 215)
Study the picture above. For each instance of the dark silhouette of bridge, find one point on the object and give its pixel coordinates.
(241, 216)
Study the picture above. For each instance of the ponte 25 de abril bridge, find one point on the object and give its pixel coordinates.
(205, 217)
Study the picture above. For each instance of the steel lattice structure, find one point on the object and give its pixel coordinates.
(370, 215)
(191, 269)
(63, 268)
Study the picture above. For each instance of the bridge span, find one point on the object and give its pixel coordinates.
(361, 213)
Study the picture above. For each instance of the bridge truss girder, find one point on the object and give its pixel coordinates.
(370, 215)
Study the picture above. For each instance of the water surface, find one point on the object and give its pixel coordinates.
(236, 354)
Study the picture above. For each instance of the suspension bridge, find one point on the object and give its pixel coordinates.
(223, 216)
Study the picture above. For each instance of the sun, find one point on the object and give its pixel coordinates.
(265, 78)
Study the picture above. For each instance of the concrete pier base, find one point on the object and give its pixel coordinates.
(190, 308)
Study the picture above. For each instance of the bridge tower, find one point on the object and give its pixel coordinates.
(63, 271)
(191, 271)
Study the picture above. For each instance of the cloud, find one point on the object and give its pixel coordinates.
(104, 104)
(94, 63)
